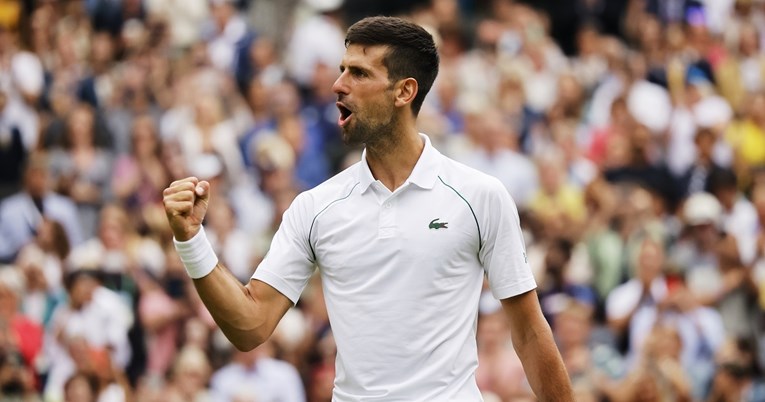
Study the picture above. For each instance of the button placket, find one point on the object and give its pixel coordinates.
(387, 219)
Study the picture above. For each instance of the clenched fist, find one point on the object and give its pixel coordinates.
(186, 203)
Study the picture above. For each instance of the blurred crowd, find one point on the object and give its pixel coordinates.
(633, 143)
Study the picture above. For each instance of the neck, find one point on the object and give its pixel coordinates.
(392, 160)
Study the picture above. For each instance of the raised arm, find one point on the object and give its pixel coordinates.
(247, 315)
(533, 341)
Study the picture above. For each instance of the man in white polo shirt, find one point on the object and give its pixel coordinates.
(402, 241)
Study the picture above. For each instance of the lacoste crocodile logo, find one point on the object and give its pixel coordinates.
(438, 225)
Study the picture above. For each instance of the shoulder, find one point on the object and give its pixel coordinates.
(470, 182)
(13, 201)
(337, 187)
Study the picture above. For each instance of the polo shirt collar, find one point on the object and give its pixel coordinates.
(424, 174)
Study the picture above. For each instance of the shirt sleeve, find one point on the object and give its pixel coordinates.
(503, 252)
(289, 264)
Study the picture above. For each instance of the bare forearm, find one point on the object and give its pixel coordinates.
(247, 315)
(233, 308)
(544, 367)
(533, 341)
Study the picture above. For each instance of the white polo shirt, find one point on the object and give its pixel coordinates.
(402, 273)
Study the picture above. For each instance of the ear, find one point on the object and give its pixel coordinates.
(405, 91)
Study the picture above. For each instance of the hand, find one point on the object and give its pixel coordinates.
(186, 204)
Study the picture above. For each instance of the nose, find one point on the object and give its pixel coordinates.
(340, 87)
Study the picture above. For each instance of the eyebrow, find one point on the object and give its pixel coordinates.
(354, 68)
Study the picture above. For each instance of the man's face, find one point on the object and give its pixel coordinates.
(36, 182)
(82, 291)
(365, 95)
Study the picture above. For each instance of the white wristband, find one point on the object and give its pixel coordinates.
(197, 254)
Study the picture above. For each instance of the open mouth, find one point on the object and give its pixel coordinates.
(345, 114)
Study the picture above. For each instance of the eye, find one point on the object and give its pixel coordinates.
(357, 72)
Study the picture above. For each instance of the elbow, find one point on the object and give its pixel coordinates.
(248, 339)
(248, 343)
(244, 345)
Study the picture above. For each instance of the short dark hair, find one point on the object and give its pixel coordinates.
(722, 179)
(412, 51)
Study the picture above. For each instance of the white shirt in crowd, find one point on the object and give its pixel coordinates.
(268, 380)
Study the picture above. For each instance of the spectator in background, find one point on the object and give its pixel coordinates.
(42, 263)
(602, 139)
(24, 90)
(275, 165)
(634, 166)
(496, 152)
(556, 289)
(183, 17)
(312, 166)
(260, 62)
(22, 213)
(22, 338)
(258, 96)
(12, 152)
(747, 136)
(162, 308)
(659, 374)
(190, 374)
(318, 39)
(741, 74)
(132, 99)
(499, 368)
(654, 298)
(139, 177)
(697, 107)
(696, 178)
(708, 256)
(592, 362)
(211, 132)
(228, 36)
(739, 377)
(81, 169)
(304, 136)
(320, 116)
(557, 204)
(738, 218)
(117, 252)
(258, 376)
(580, 170)
(589, 65)
(97, 85)
(605, 235)
(89, 332)
(230, 242)
(81, 387)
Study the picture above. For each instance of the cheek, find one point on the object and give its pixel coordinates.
(380, 111)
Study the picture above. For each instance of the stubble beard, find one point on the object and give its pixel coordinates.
(380, 136)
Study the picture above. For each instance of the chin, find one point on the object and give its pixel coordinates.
(350, 138)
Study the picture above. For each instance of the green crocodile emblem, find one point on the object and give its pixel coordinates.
(437, 225)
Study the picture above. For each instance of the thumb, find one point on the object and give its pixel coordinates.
(202, 191)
